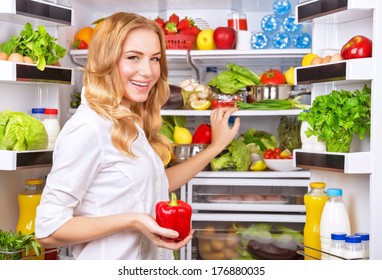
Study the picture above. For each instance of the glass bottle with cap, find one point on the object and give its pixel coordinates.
(38, 113)
(353, 248)
(365, 243)
(337, 246)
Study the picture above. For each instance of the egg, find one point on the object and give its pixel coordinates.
(316, 60)
(16, 57)
(336, 57)
(27, 59)
(3, 56)
(326, 59)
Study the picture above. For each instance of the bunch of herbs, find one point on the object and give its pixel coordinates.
(334, 118)
(12, 244)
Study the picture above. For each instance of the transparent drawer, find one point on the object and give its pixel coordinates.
(235, 194)
(245, 240)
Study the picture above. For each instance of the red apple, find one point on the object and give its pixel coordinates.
(225, 38)
(357, 47)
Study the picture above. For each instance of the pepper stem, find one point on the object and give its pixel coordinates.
(174, 200)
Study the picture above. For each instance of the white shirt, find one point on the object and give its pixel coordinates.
(90, 177)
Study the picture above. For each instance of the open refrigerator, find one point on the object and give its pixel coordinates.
(332, 23)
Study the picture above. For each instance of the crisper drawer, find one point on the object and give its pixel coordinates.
(247, 194)
(233, 239)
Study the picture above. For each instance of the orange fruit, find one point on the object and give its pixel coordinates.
(85, 33)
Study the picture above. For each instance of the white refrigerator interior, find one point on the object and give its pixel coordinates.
(361, 176)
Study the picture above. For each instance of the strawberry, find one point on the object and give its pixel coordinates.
(174, 18)
(170, 28)
(160, 21)
(194, 30)
(80, 44)
(184, 24)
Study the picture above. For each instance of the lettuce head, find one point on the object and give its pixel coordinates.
(20, 131)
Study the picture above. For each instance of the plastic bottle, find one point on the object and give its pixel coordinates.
(281, 40)
(270, 24)
(259, 40)
(314, 202)
(211, 73)
(38, 113)
(302, 40)
(289, 25)
(52, 126)
(353, 247)
(28, 200)
(334, 218)
(365, 243)
(337, 246)
(282, 8)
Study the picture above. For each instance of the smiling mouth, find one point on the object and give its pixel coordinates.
(139, 84)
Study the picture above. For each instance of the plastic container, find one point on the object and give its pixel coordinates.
(337, 246)
(314, 202)
(365, 237)
(52, 126)
(28, 200)
(38, 113)
(334, 218)
(353, 247)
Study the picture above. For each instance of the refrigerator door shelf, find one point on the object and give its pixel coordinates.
(347, 70)
(329, 11)
(349, 163)
(11, 160)
(46, 13)
(28, 73)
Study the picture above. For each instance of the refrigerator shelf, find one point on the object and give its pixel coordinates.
(28, 73)
(239, 113)
(329, 11)
(349, 163)
(13, 160)
(347, 70)
(45, 13)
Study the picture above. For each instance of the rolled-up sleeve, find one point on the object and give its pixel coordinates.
(76, 160)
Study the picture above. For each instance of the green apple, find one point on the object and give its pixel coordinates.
(205, 40)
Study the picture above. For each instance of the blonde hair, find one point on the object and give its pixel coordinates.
(104, 91)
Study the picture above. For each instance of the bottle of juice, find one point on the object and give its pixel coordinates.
(28, 200)
(314, 202)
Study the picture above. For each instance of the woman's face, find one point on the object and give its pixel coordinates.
(139, 65)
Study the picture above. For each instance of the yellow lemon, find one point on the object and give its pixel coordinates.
(182, 135)
(307, 59)
(289, 76)
(200, 104)
(259, 165)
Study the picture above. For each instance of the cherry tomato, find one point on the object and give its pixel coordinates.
(215, 103)
(277, 151)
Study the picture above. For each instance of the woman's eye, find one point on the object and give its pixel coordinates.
(133, 58)
(156, 59)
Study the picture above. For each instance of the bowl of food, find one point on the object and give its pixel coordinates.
(282, 164)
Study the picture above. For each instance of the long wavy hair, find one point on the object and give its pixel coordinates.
(104, 90)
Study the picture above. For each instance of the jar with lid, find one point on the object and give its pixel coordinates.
(52, 126)
(28, 200)
(353, 248)
(314, 202)
(365, 243)
(337, 246)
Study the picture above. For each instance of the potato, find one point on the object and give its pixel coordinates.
(231, 240)
(214, 256)
(204, 246)
(217, 244)
(230, 253)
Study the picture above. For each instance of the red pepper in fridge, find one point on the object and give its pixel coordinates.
(176, 215)
(202, 134)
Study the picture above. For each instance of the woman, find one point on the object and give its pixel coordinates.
(107, 172)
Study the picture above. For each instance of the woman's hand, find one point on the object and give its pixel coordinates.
(222, 133)
(149, 227)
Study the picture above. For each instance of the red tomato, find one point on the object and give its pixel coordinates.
(277, 151)
(268, 154)
(215, 103)
(273, 77)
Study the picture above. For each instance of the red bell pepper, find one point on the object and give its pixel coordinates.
(202, 134)
(176, 215)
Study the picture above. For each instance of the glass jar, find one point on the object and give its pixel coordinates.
(219, 100)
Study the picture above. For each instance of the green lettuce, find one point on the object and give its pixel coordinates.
(19, 132)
